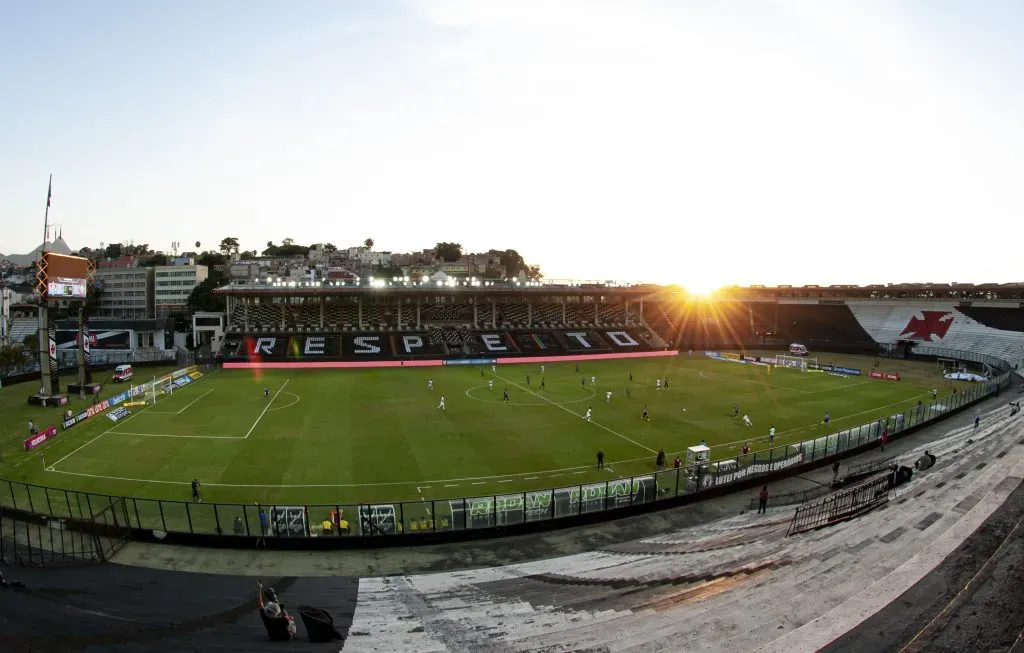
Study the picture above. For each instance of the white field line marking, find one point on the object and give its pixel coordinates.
(292, 394)
(130, 417)
(477, 480)
(266, 408)
(195, 400)
(171, 435)
(513, 403)
(814, 437)
(615, 433)
(27, 459)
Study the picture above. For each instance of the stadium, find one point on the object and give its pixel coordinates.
(319, 421)
(441, 326)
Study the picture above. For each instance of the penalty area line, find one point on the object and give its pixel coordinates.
(194, 401)
(265, 409)
(50, 468)
(554, 403)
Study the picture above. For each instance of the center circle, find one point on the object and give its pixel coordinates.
(540, 402)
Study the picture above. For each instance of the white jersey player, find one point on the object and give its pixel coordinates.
(746, 421)
(771, 435)
(593, 380)
(490, 385)
(657, 384)
(494, 370)
(440, 406)
(588, 415)
(430, 384)
(608, 397)
(541, 369)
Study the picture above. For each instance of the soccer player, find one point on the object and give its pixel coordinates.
(588, 415)
(542, 369)
(195, 490)
(527, 379)
(600, 459)
(630, 377)
(542, 384)
(490, 385)
(643, 413)
(266, 392)
(494, 370)
(629, 395)
(440, 406)
(657, 384)
(583, 382)
(593, 380)
(608, 397)
(506, 395)
(430, 384)
(746, 421)
(771, 434)
(827, 419)
(666, 383)
(735, 410)
(935, 393)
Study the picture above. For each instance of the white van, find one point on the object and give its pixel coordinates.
(123, 373)
(798, 349)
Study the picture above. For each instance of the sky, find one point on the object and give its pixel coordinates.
(693, 142)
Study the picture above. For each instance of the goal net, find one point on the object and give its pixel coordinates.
(801, 363)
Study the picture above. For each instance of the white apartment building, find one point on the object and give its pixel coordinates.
(126, 293)
(172, 284)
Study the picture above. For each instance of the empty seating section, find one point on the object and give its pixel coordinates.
(446, 313)
(822, 325)
(939, 327)
(513, 315)
(21, 327)
(615, 314)
(1006, 319)
(448, 336)
(547, 314)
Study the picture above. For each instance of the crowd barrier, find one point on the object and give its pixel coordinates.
(156, 518)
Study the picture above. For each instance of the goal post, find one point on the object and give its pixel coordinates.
(801, 363)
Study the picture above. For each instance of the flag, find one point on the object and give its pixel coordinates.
(49, 193)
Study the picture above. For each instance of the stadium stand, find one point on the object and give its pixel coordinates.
(932, 328)
(732, 583)
(823, 326)
(21, 327)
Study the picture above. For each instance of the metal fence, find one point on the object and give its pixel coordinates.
(36, 539)
(466, 513)
(841, 505)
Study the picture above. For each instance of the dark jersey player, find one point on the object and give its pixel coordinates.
(644, 415)
(195, 490)
(506, 396)
(266, 392)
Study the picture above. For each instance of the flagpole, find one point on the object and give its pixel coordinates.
(46, 216)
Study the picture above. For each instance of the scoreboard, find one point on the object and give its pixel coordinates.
(65, 288)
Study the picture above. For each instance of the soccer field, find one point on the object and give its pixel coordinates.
(377, 435)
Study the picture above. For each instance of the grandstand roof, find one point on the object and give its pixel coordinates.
(364, 286)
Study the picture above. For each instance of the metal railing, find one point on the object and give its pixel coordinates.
(385, 519)
(841, 505)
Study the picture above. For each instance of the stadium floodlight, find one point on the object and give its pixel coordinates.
(270, 279)
(425, 278)
(407, 279)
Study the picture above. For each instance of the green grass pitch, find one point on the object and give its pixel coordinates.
(377, 435)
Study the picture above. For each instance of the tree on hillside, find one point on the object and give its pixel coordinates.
(113, 250)
(154, 260)
(330, 247)
(229, 245)
(211, 259)
(533, 273)
(448, 252)
(287, 242)
(202, 297)
(368, 243)
(247, 255)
